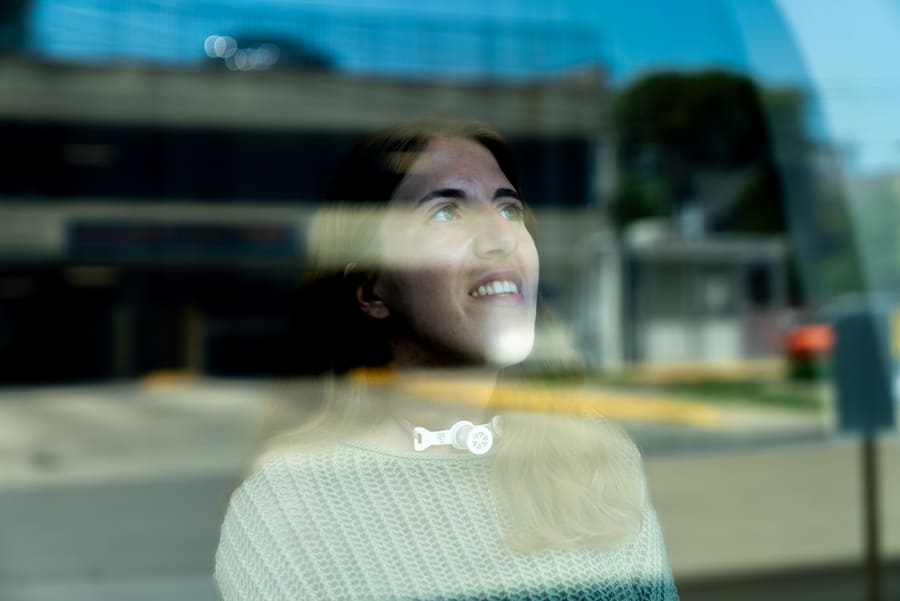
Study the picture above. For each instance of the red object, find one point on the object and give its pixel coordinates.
(813, 340)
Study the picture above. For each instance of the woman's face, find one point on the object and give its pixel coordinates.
(460, 270)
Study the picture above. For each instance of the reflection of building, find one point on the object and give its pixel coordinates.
(154, 218)
(704, 301)
(663, 300)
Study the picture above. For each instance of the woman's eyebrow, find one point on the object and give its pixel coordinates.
(441, 193)
(457, 193)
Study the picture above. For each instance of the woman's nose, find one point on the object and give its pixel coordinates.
(494, 235)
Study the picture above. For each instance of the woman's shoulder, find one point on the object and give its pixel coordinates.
(319, 463)
(291, 460)
(572, 435)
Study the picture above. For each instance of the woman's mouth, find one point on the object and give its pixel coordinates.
(496, 288)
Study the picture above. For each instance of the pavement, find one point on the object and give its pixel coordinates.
(117, 491)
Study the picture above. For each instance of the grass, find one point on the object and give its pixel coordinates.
(794, 395)
(806, 397)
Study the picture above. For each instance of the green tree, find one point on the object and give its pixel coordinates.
(672, 128)
(677, 131)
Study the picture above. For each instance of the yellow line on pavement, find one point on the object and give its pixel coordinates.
(575, 401)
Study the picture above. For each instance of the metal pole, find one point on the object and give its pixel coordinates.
(873, 567)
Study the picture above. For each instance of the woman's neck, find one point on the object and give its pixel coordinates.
(431, 398)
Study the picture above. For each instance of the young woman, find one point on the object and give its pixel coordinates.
(403, 482)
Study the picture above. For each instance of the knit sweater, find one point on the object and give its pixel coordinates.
(357, 522)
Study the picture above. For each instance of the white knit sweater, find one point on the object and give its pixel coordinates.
(356, 522)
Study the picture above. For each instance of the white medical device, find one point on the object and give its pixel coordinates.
(463, 435)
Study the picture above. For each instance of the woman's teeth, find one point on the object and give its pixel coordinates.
(495, 288)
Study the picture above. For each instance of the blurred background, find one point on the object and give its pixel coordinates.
(717, 189)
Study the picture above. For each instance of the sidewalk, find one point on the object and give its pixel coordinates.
(65, 435)
(117, 491)
(57, 435)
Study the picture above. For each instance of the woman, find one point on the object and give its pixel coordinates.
(398, 486)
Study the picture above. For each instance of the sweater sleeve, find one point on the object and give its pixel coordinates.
(239, 554)
(252, 560)
(655, 581)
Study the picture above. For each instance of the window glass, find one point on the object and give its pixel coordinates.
(712, 188)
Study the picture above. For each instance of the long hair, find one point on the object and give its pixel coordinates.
(562, 480)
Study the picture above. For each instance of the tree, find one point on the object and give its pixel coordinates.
(678, 133)
(743, 155)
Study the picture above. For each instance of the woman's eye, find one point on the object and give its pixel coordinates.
(445, 213)
(513, 212)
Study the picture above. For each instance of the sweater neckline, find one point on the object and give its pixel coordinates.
(416, 455)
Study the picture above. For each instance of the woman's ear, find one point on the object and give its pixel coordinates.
(369, 302)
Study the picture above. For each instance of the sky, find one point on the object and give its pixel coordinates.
(850, 50)
(844, 52)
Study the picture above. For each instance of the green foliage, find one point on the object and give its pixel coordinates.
(786, 114)
(754, 212)
(671, 126)
(677, 132)
(641, 198)
(712, 118)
